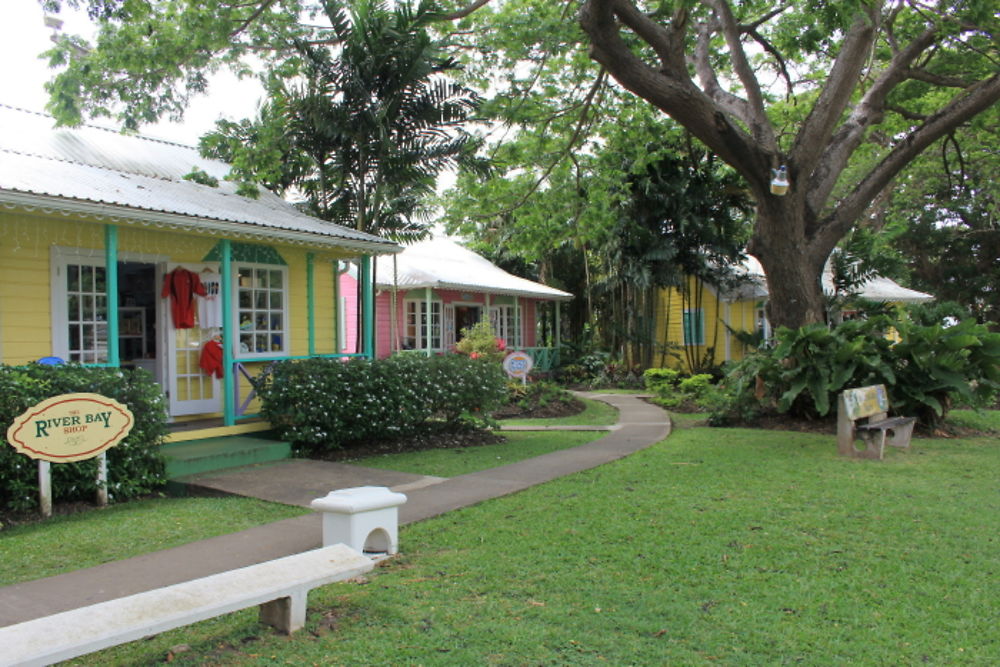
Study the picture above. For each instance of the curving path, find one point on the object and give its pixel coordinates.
(297, 482)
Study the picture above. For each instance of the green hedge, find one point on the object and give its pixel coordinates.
(328, 404)
(135, 466)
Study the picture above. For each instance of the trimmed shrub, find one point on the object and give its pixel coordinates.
(322, 404)
(661, 381)
(672, 390)
(135, 466)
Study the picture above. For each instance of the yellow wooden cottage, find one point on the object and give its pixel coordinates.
(112, 253)
(701, 326)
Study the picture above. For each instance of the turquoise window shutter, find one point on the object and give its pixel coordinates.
(694, 327)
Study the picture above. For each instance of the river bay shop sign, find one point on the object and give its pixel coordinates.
(71, 427)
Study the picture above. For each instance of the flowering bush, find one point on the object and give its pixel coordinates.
(479, 342)
(135, 466)
(328, 404)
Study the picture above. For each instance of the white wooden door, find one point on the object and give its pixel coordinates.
(190, 389)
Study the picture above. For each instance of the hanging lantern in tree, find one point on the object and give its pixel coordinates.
(779, 181)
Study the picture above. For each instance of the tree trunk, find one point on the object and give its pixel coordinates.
(793, 264)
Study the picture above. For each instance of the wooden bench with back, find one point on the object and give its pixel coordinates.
(878, 429)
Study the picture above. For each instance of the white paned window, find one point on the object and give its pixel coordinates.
(87, 313)
(505, 325)
(79, 306)
(262, 310)
(415, 331)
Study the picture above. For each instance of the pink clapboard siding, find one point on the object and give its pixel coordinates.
(383, 321)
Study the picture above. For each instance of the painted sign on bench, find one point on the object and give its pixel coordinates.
(70, 427)
(866, 401)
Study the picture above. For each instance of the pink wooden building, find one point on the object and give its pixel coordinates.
(436, 288)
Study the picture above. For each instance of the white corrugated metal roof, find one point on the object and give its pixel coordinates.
(442, 263)
(874, 289)
(76, 168)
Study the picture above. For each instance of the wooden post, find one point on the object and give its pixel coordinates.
(229, 335)
(429, 323)
(102, 479)
(111, 292)
(45, 488)
(367, 332)
(311, 302)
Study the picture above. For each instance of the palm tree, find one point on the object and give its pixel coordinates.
(365, 126)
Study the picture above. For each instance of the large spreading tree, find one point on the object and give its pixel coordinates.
(843, 94)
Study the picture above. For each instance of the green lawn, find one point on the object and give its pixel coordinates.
(987, 421)
(520, 445)
(597, 413)
(77, 541)
(727, 546)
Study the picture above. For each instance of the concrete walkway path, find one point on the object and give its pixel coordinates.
(297, 482)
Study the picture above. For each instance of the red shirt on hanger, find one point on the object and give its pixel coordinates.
(181, 286)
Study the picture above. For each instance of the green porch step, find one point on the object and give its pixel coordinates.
(197, 456)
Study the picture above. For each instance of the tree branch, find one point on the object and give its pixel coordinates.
(918, 74)
(835, 96)
(732, 104)
(663, 41)
(670, 88)
(760, 126)
(465, 11)
(961, 109)
(264, 6)
(869, 111)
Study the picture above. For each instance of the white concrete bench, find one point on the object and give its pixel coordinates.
(872, 404)
(279, 586)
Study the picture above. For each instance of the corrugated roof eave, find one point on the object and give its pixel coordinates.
(238, 229)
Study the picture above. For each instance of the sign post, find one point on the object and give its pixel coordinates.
(66, 428)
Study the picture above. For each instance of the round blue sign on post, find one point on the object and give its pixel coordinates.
(518, 364)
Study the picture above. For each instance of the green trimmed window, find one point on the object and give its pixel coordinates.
(694, 326)
(262, 310)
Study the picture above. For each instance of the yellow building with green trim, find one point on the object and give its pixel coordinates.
(104, 241)
(704, 325)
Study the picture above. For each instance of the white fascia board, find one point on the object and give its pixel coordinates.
(221, 228)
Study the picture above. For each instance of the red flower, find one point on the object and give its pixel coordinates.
(474, 355)
(501, 344)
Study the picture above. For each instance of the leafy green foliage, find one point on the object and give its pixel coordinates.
(362, 130)
(599, 370)
(930, 368)
(536, 395)
(479, 342)
(197, 175)
(661, 380)
(135, 466)
(327, 404)
(673, 390)
(938, 367)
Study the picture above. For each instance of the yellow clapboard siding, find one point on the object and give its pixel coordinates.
(739, 315)
(26, 242)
